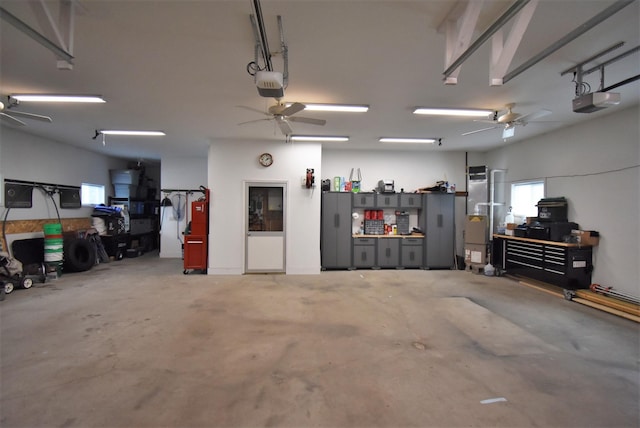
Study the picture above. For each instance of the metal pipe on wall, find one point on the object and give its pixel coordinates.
(492, 202)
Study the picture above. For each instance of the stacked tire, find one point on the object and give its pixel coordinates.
(79, 255)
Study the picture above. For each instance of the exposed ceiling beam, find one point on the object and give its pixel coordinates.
(511, 12)
(458, 37)
(35, 35)
(502, 53)
(577, 32)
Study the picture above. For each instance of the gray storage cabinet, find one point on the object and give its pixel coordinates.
(364, 200)
(411, 254)
(411, 200)
(335, 242)
(388, 252)
(364, 252)
(387, 200)
(440, 229)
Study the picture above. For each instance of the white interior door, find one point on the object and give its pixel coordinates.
(265, 227)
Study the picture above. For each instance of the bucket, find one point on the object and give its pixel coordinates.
(53, 244)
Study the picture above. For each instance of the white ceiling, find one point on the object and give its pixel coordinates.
(180, 66)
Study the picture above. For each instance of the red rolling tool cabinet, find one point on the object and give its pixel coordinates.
(196, 241)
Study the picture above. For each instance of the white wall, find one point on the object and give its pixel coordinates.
(230, 166)
(595, 165)
(178, 173)
(31, 158)
(410, 170)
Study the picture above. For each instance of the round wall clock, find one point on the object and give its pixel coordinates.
(265, 159)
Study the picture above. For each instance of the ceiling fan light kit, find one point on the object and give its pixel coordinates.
(452, 112)
(509, 120)
(282, 114)
(58, 98)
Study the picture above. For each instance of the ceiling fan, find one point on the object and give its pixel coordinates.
(509, 120)
(282, 115)
(7, 114)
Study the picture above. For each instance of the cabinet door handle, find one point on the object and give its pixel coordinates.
(364, 256)
(439, 220)
(336, 220)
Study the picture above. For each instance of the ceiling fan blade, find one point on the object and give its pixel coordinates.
(309, 120)
(284, 127)
(480, 130)
(293, 109)
(254, 110)
(252, 121)
(535, 115)
(12, 119)
(31, 116)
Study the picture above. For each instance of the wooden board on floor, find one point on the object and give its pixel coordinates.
(611, 302)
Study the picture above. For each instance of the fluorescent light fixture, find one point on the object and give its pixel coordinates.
(59, 98)
(326, 138)
(349, 108)
(131, 133)
(407, 140)
(452, 112)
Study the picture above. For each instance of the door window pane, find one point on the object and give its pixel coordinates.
(265, 209)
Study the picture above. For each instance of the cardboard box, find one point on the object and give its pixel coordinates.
(586, 237)
(475, 253)
(512, 226)
(476, 230)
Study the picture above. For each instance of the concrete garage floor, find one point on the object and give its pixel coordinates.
(136, 343)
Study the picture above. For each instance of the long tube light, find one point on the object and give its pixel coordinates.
(319, 138)
(131, 133)
(54, 98)
(452, 112)
(337, 107)
(407, 140)
(348, 108)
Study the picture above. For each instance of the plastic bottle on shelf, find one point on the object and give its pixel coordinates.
(509, 217)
